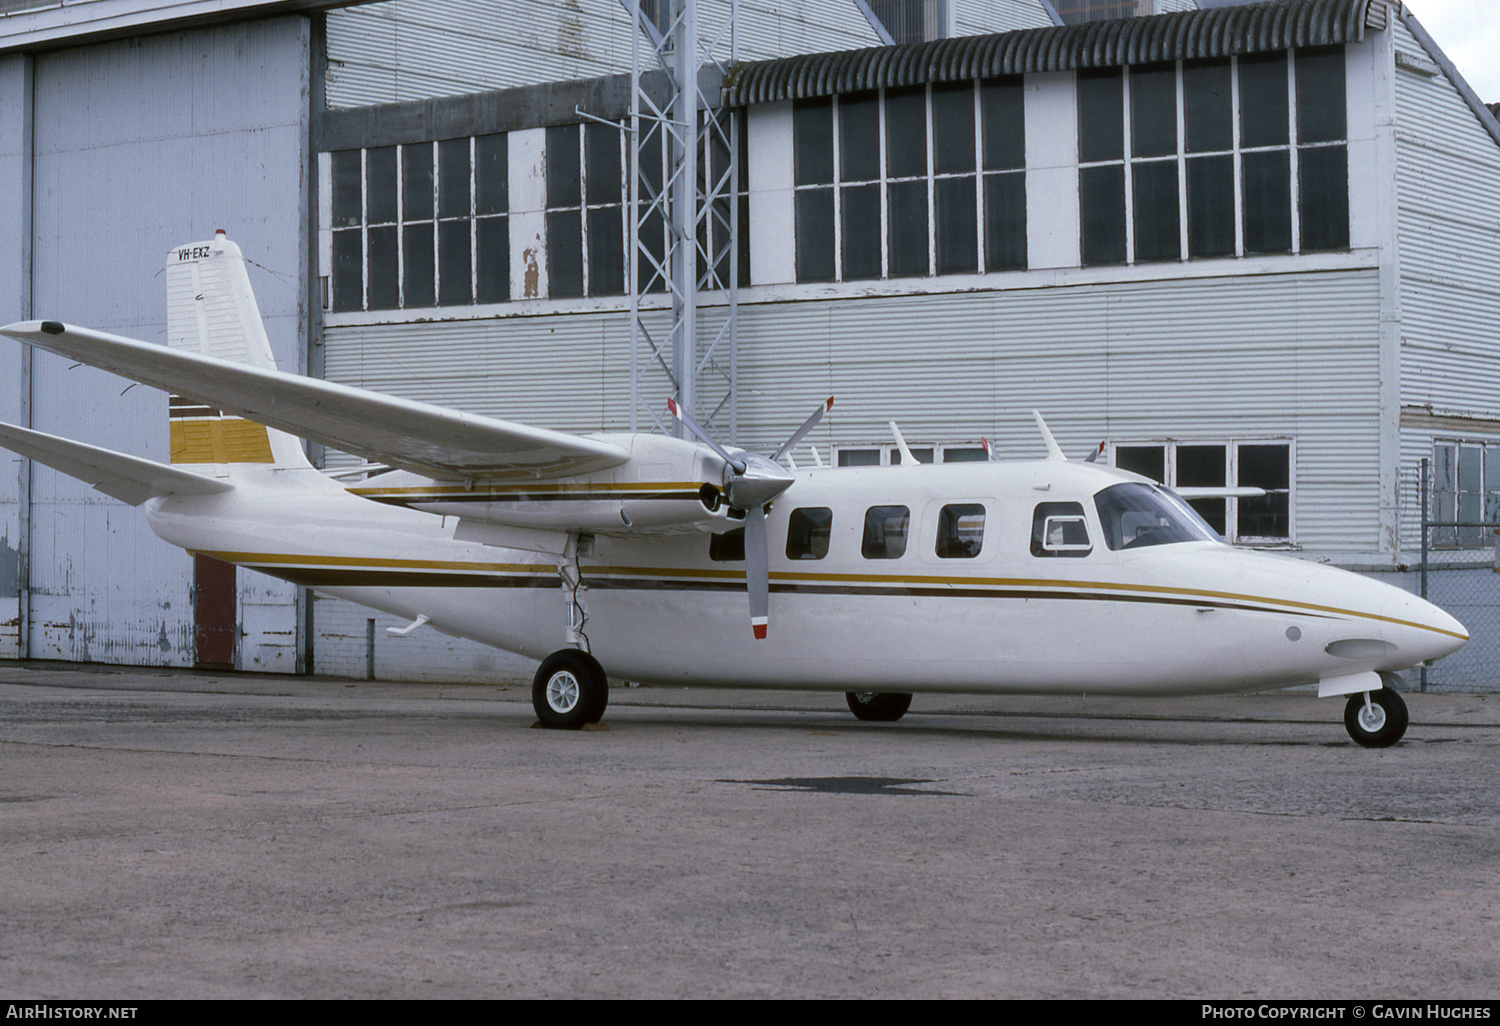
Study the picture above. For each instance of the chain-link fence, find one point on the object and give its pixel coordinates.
(1459, 572)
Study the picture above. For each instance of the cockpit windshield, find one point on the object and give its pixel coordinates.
(1136, 515)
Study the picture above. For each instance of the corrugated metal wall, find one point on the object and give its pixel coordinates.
(1448, 181)
(141, 145)
(419, 49)
(15, 198)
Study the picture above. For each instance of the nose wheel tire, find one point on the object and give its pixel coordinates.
(569, 690)
(878, 706)
(1378, 723)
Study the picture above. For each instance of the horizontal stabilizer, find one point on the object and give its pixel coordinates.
(127, 478)
(401, 432)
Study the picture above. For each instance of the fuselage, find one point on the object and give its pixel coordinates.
(995, 577)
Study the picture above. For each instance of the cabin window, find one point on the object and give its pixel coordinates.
(885, 532)
(808, 531)
(1060, 529)
(960, 533)
(728, 547)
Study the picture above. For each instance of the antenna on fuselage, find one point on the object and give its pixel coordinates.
(1054, 451)
(906, 456)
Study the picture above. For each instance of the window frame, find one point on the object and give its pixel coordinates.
(1232, 471)
(1446, 534)
(1109, 185)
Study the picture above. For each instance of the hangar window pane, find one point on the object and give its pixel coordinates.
(1101, 117)
(900, 194)
(1210, 202)
(1208, 105)
(585, 211)
(1248, 520)
(1323, 183)
(1264, 112)
(1158, 226)
(404, 224)
(1322, 111)
(1267, 202)
(1153, 110)
(1102, 200)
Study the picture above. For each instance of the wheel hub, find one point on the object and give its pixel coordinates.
(562, 691)
(1372, 717)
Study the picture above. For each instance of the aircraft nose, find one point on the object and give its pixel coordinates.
(1426, 632)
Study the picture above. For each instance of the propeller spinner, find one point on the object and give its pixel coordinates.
(751, 482)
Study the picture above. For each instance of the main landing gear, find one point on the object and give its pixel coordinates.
(1376, 719)
(569, 690)
(878, 706)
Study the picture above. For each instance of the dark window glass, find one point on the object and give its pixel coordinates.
(808, 532)
(953, 128)
(1158, 220)
(859, 137)
(1210, 196)
(957, 226)
(1323, 177)
(727, 547)
(606, 252)
(562, 166)
(1059, 529)
(1153, 110)
(453, 178)
(1005, 222)
(908, 228)
(454, 267)
(960, 533)
(381, 292)
(1101, 116)
(491, 175)
(859, 458)
(1263, 100)
(347, 189)
(812, 141)
(1002, 108)
(651, 270)
(348, 270)
(1268, 467)
(494, 260)
(1146, 460)
(1208, 105)
(380, 195)
(815, 235)
(416, 182)
(885, 532)
(1102, 209)
(906, 132)
(601, 146)
(564, 253)
(417, 266)
(1268, 202)
(1205, 466)
(1321, 111)
(861, 237)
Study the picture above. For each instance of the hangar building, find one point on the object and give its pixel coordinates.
(1239, 244)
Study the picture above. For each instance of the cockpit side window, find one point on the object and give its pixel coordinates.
(1137, 516)
(885, 532)
(960, 533)
(728, 547)
(1060, 529)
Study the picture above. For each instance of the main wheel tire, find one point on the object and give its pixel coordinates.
(1382, 725)
(878, 706)
(569, 690)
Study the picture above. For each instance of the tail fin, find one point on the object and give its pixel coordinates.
(211, 311)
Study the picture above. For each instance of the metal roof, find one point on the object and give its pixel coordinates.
(1214, 32)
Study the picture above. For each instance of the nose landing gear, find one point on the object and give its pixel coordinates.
(1376, 719)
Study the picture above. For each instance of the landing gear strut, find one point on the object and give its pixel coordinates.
(1376, 719)
(569, 690)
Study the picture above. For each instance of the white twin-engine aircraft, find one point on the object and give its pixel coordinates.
(634, 554)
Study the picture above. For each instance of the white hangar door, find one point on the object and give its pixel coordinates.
(138, 146)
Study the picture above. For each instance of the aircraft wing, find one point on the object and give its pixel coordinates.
(401, 432)
(127, 478)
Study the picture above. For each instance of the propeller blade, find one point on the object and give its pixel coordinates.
(687, 420)
(801, 432)
(757, 569)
